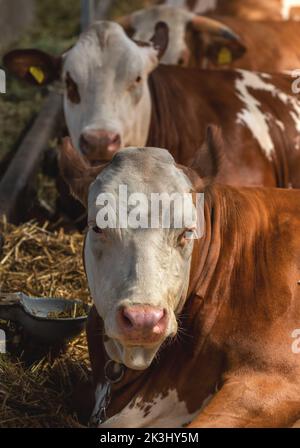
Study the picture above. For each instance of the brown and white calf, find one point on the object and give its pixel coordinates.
(190, 45)
(116, 96)
(205, 328)
(244, 9)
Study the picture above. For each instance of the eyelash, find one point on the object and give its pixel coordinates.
(182, 239)
(97, 230)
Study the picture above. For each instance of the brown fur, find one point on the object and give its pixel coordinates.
(186, 101)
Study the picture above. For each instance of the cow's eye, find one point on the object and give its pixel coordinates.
(72, 90)
(138, 79)
(186, 236)
(97, 230)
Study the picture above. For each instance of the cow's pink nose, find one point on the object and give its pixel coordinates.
(99, 144)
(142, 323)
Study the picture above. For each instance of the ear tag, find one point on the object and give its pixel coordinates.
(224, 56)
(38, 74)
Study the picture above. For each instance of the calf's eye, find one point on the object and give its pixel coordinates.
(97, 230)
(138, 79)
(72, 90)
(186, 236)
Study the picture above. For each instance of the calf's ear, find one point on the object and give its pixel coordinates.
(76, 172)
(34, 66)
(209, 159)
(160, 39)
(220, 44)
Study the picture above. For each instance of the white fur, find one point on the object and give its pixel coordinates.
(105, 63)
(136, 266)
(253, 117)
(144, 22)
(164, 411)
(201, 7)
(286, 7)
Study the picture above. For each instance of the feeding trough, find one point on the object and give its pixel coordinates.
(49, 320)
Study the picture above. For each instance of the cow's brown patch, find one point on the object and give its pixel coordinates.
(72, 90)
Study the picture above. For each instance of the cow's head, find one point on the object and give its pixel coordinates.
(106, 100)
(193, 40)
(138, 277)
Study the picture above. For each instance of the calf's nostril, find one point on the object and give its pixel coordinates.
(126, 319)
(142, 318)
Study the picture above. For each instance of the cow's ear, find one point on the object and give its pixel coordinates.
(209, 160)
(34, 66)
(76, 172)
(126, 24)
(219, 43)
(160, 39)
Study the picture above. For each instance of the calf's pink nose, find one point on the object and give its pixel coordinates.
(99, 143)
(141, 322)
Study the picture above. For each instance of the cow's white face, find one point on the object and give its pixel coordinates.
(144, 21)
(138, 278)
(107, 101)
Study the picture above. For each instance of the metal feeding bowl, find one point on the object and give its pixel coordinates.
(48, 320)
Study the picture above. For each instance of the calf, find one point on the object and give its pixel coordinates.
(204, 327)
(243, 9)
(114, 97)
(190, 45)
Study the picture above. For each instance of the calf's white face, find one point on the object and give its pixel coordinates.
(138, 278)
(144, 21)
(107, 101)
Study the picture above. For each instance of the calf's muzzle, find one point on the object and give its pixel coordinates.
(99, 145)
(142, 324)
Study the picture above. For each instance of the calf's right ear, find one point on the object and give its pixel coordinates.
(210, 159)
(76, 172)
(160, 39)
(34, 66)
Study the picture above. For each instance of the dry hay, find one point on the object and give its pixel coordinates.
(42, 263)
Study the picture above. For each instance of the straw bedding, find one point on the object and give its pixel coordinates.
(41, 263)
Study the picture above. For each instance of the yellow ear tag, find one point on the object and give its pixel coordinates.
(224, 56)
(38, 74)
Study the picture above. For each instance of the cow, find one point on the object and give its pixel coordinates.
(191, 46)
(243, 9)
(205, 329)
(116, 96)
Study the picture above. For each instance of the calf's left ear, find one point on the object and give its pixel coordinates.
(220, 44)
(34, 66)
(76, 172)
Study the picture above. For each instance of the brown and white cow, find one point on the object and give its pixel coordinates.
(244, 9)
(192, 46)
(114, 98)
(193, 40)
(207, 328)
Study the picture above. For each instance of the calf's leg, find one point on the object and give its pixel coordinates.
(252, 400)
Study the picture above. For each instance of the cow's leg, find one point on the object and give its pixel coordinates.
(252, 400)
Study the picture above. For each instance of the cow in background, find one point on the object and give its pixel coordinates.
(262, 46)
(115, 96)
(243, 9)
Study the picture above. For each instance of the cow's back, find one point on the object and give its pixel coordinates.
(271, 45)
(258, 114)
(244, 9)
